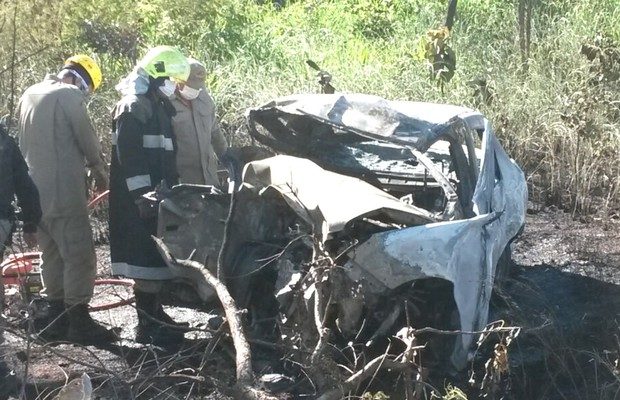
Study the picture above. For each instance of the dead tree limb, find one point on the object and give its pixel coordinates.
(26, 57)
(451, 13)
(370, 369)
(169, 377)
(227, 232)
(357, 378)
(320, 314)
(13, 58)
(243, 358)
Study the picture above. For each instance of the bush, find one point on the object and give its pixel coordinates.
(556, 111)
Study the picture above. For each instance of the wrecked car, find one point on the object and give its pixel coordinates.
(348, 210)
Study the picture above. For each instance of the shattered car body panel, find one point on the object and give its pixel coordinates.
(191, 222)
(396, 192)
(326, 200)
(464, 252)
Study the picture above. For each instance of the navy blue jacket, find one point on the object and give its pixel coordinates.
(15, 181)
(143, 154)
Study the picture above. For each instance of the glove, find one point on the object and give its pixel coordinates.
(101, 180)
(147, 205)
(227, 157)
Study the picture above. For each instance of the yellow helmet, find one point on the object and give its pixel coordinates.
(83, 63)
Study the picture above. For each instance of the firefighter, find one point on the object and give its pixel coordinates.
(200, 141)
(143, 157)
(58, 141)
(15, 181)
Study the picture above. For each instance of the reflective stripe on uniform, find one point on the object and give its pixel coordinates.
(141, 272)
(157, 142)
(137, 182)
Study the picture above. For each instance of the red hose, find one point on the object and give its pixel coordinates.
(19, 265)
(98, 199)
(22, 257)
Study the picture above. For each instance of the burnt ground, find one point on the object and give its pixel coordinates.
(564, 292)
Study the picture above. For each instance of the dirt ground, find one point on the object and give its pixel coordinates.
(564, 292)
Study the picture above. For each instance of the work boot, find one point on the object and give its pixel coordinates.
(9, 384)
(150, 330)
(161, 315)
(83, 329)
(53, 327)
(151, 301)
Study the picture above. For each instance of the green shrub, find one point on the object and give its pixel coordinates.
(556, 112)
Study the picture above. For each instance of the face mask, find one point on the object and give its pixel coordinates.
(168, 88)
(189, 93)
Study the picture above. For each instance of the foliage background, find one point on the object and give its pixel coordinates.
(556, 107)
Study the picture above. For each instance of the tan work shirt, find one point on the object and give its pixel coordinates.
(57, 140)
(199, 140)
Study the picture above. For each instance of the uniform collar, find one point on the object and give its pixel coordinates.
(51, 77)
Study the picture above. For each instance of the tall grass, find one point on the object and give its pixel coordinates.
(558, 115)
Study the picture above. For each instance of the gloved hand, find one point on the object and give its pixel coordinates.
(147, 205)
(227, 157)
(101, 180)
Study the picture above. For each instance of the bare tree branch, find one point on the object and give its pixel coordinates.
(451, 13)
(27, 56)
(13, 57)
(245, 375)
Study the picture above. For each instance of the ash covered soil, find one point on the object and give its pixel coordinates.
(564, 290)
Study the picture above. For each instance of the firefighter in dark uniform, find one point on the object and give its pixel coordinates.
(15, 182)
(143, 157)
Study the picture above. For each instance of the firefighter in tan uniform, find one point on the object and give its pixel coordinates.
(200, 141)
(58, 141)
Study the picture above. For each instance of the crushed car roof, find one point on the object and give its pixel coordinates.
(414, 123)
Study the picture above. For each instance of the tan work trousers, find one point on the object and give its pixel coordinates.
(69, 262)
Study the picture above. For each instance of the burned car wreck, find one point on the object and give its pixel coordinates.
(348, 206)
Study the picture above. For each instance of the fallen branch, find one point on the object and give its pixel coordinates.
(370, 369)
(353, 382)
(169, 377)
(243, 359)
